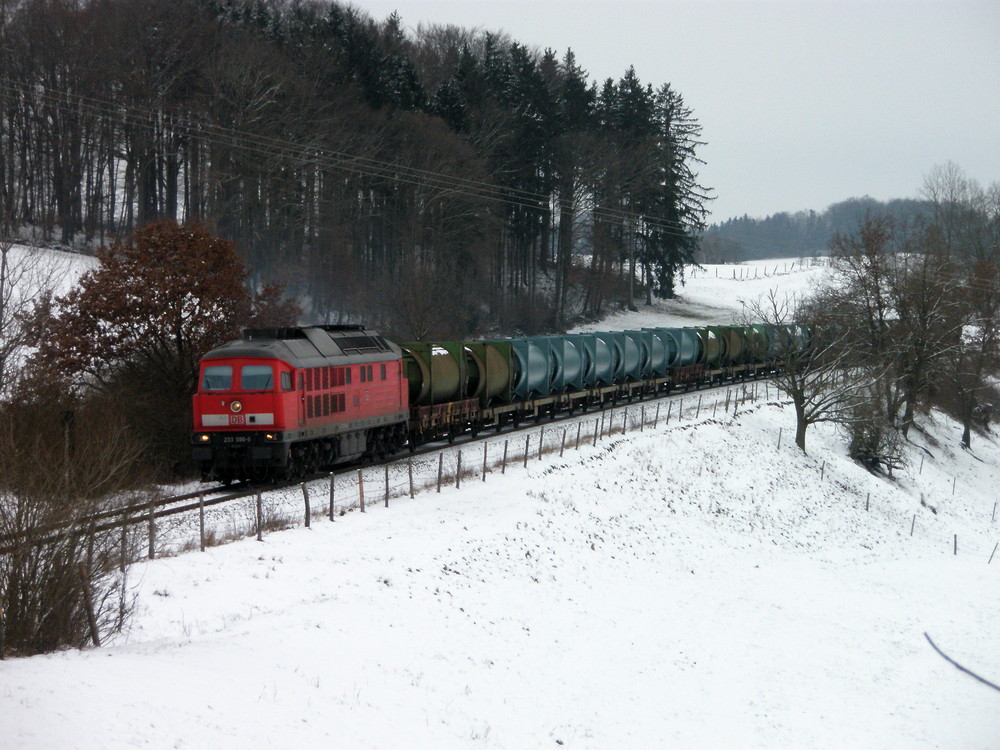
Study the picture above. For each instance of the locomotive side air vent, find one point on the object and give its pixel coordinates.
(362, 343)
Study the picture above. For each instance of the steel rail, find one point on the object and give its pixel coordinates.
(160, 507)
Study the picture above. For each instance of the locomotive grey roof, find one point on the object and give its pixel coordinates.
(312, 346)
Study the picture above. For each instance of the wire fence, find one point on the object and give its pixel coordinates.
(356, 491)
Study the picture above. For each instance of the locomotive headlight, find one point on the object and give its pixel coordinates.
(236, 406)
(203, 438)
(271, 437)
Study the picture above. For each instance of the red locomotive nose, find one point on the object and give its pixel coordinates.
(236, 406)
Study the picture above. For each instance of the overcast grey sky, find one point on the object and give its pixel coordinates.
(802, 103)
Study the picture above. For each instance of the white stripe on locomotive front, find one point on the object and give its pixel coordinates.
(224, 420)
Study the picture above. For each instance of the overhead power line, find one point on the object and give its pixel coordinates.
(317, 156)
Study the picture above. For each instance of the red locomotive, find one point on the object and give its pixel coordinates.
(284, 402)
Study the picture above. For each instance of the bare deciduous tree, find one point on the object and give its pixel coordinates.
(26, 274)
(897, 297)
(62, 581)
(814, 369)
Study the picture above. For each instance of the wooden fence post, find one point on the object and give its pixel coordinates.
(527, 442)
(201, 519)
(458, 472)
(596, 423)
(503, 466)
(625, 421)
(124, 550)
(361, 490)
(333, 513)
(698, 412)
(387, 485)
(88, 603)
(484, 460)
(642, 418)
(260, 519)
(541, 441)
(440, 470)
(656, 416)
(305, 498)
(409, 471)
(152, 530)
(562, 446)
(579, 426)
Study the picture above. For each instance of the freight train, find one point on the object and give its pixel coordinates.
(285, 402)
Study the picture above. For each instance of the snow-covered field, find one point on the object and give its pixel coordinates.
(692, 585)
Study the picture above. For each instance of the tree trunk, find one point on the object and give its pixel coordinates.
(800, 427)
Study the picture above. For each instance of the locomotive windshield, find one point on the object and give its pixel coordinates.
(217, 378)
(257, 378)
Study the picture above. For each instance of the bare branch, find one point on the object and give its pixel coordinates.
(959, 667)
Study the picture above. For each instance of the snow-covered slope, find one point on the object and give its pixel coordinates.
(31, 269)
(688, 585)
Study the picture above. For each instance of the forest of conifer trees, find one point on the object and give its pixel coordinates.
(478, 184)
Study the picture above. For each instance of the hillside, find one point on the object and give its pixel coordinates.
(689, 585)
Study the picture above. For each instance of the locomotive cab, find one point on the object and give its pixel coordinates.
(243, 392)
(239, 416)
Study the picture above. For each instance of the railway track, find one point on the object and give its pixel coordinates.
(154, 508)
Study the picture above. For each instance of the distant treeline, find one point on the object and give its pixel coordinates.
(801, 234)
(436, 183)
